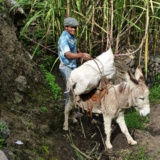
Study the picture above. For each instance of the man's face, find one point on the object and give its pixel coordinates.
(71, 30)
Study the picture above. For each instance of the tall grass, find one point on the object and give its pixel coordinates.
(120, 23)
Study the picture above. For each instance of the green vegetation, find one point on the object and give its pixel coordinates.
(3, 129)
(44, 109)
(155, 91)
(1, 142)
(155, 94)
(30, 125)
(2, 6)
(56, 90)
(101, 23)
(2, 126)
(134, 120)
(45, 149)
(138, 154)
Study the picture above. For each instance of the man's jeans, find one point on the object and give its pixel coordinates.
(65, 71)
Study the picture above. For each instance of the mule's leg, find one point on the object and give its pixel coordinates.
(72, 116)
(120, 120)
(107, 127)
(68, 107)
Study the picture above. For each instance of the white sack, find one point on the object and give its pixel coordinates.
(86, 77)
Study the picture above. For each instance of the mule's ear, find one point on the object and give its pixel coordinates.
(130, 78)
(138, 74)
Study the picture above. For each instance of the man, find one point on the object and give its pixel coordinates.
(67, 49)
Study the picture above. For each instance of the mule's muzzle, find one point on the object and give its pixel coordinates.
(145, 111)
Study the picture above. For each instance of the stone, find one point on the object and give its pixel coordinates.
(21, 83)
(3, 156)
(17, 98)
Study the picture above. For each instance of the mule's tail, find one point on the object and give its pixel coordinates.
(70, 87)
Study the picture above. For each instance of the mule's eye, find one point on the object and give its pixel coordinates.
(141, 99)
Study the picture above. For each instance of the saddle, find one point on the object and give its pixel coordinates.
(95, 95)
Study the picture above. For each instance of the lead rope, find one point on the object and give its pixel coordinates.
(94, 59)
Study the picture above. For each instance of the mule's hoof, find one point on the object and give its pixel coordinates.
(109, 147)
(133, 143)
(74, 120)
(109, 150)
(65, 128)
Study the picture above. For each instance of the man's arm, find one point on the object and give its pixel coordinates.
(71, 55)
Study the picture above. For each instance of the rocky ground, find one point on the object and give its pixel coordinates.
(40, 132)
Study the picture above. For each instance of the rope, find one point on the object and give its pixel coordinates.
(98, 66)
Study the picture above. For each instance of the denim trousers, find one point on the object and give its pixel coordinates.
(65, 71)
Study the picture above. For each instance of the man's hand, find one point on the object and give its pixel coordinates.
(85, 56)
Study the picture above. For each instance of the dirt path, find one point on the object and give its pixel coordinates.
(151, 138)
(43, 137)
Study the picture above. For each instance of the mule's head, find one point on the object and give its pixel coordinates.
(139, 91)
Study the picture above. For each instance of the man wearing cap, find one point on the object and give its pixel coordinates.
(67, 49)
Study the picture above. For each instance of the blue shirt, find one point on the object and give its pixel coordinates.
(67, 43)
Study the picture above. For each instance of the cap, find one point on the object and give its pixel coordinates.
(70, 22)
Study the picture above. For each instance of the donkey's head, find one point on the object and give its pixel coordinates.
(140, 92)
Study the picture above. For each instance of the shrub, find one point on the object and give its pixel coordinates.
(134, 120)
(55, 89)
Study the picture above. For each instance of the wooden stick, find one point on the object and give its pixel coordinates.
(82, 153)
(82, 129)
